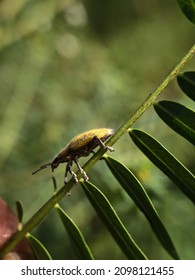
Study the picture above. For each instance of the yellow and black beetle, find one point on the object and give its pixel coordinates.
(80, 146)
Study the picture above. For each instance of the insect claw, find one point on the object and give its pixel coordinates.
(108, 148)
(84, 175)
(69, 193)
(74, 177)
(65, 180)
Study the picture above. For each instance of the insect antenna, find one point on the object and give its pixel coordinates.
(42, 167)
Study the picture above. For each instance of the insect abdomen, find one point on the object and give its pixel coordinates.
(85, 138)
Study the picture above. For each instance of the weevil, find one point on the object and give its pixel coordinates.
(80, 146)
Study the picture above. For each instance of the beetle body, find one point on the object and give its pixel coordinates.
(80, 146)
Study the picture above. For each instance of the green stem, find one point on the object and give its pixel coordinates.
(48, 206)
(144, 106)
(36, 218)
(152, 97)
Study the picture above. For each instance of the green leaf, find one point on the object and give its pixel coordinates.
(19, 210)
(38, 248)
(110, 218)
(186, 82)
(167, 163)
(82, 249)
(178, 117)
(188, 8)
(136, 191)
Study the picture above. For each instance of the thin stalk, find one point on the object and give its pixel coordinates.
(144, 106)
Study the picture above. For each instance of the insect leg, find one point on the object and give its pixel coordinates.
(84, 174)
(68, 169)
(102, 145)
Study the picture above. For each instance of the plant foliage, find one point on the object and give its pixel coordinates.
(181, 121)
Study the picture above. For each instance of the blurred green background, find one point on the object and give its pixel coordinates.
(70, 66)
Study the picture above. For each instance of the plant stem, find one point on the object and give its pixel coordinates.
(152, 97)
(36, 218)
(48, 206)
(144, 106)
